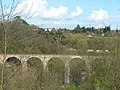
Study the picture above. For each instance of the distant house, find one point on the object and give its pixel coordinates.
(48, 29)
(101, 30)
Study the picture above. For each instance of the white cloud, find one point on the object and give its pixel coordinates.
(98, 15)
(77, 12)
(42, 10)
(56, 13)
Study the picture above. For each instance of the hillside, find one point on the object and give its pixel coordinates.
(25, 38)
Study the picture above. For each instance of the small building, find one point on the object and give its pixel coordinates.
(101, 30)
(48, 29)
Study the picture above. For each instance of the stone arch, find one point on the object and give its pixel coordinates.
(13, 59)
(12, 73)
(34, 61)
(76, 57)
(56, 67)
(55, 60)
(97, 60)
(12, 63)
(99, 72)
(98, 65)
(34, 73)
(78, 71)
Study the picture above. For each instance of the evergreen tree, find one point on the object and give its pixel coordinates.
(77, 29)
(107, 29)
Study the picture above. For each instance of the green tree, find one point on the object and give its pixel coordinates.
(77, 29)
(107, 29)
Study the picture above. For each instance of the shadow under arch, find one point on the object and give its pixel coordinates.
(34, 75)
(13, 60)
(34, 62)
(12, 74)
(56, 70)
(78, 71)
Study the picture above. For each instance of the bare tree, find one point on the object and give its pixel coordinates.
(7, 14)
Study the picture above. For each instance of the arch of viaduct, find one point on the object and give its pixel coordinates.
(45, 58)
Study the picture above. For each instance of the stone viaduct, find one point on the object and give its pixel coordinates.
(45, 58)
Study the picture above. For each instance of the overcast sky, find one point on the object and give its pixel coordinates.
(69, 13)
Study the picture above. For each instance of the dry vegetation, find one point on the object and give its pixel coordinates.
(18, 37)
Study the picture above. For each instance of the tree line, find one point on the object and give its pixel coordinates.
(84, 29)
